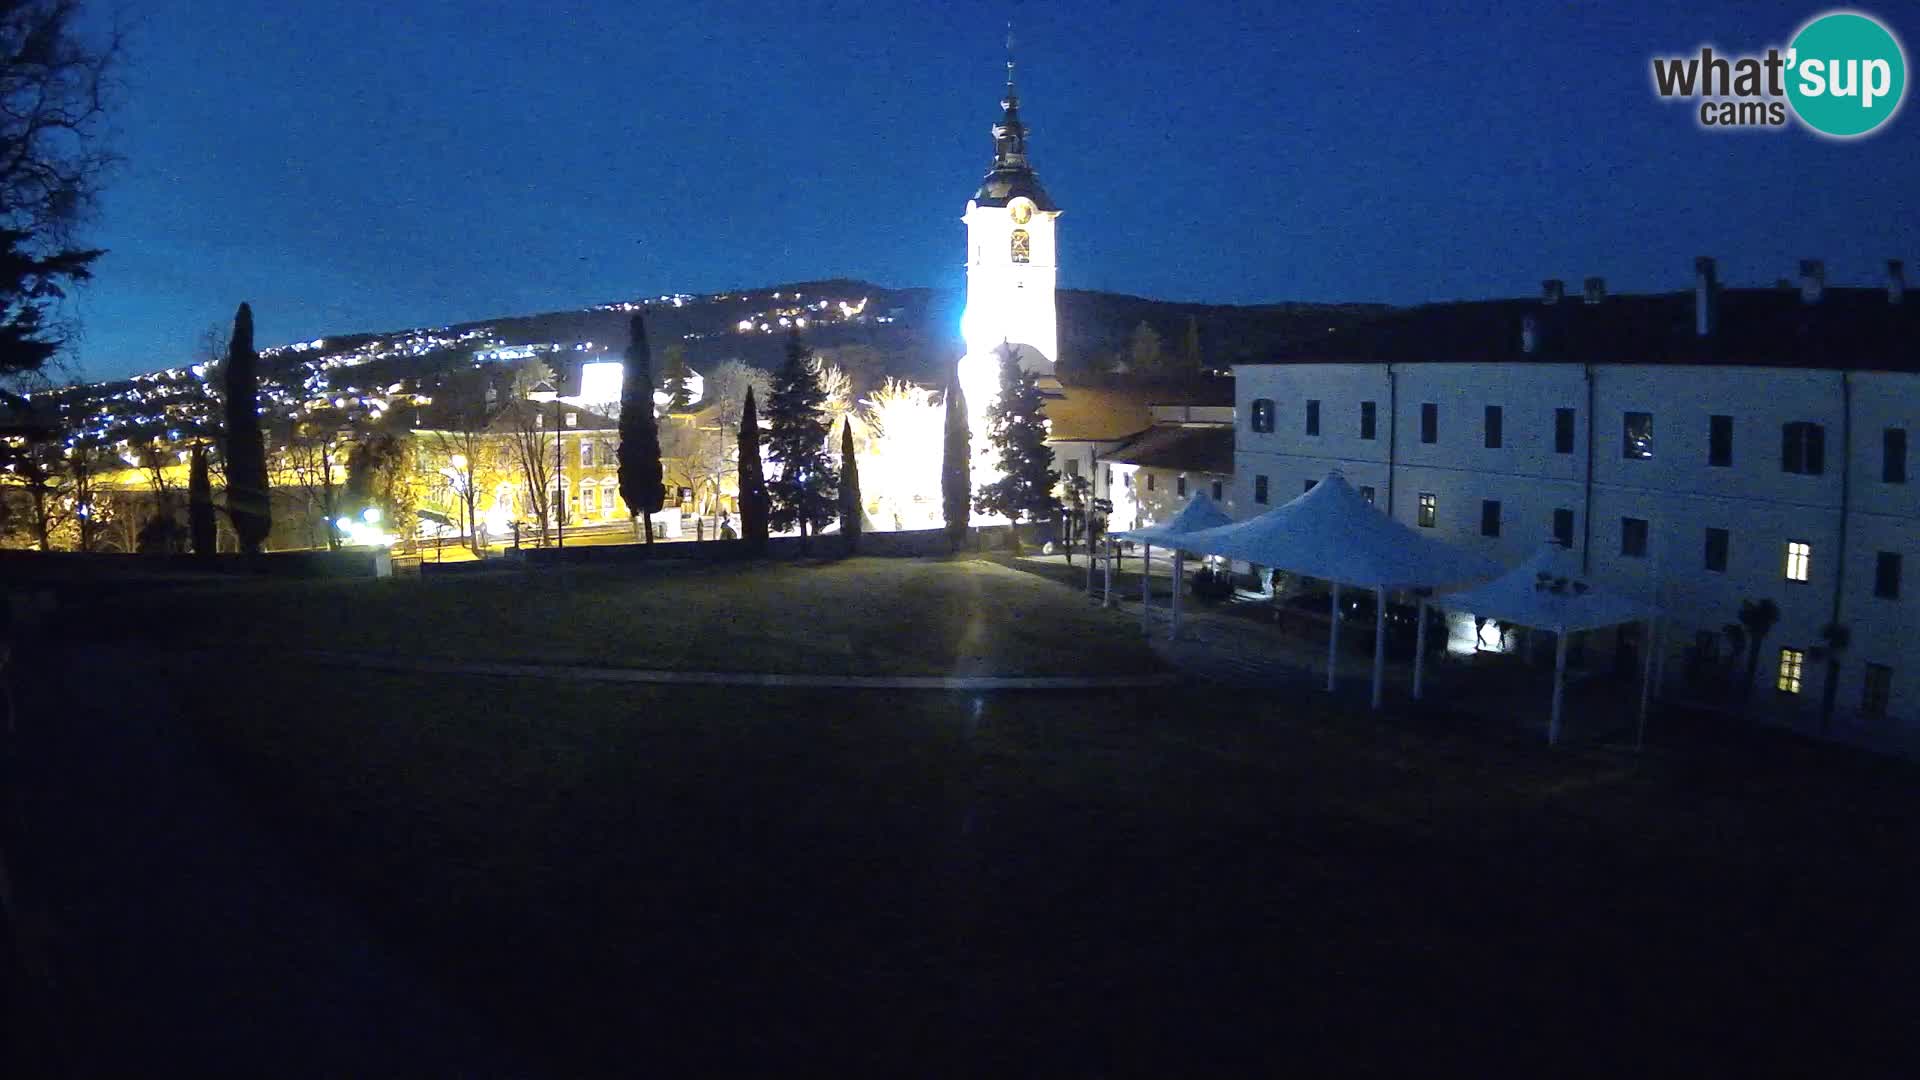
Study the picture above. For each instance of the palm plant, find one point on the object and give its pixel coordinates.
(1834, 639)
(1757, 620)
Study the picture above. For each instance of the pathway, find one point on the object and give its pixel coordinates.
(590, 673)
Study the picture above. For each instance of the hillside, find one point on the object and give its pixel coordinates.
(871, 331)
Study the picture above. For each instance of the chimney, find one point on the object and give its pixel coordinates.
(1706, 297)
(1530, 334)
(1596, 289)
(1552, 290)
(1813, 280)
(1896, 281)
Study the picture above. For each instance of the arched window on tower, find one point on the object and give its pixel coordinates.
(1021, 246)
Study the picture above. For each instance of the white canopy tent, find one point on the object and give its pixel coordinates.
(1335, 534)
(1546, 593)
(1199, 513)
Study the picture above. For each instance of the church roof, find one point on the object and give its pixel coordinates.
(1002, 186)
(1098, 414)
(1847, 328)
(1011, 176)
(1187, 449)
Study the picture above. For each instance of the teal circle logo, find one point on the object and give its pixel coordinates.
(1846, 74)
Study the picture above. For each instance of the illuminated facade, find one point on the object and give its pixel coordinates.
(1011, 270)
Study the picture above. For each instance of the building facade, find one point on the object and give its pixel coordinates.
(1692, 482)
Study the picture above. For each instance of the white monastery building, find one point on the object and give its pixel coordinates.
(1696, 450)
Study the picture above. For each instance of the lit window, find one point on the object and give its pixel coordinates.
(1429, 509)
(1877, 693)
(1791, 661)
(1636, 436)
(607, 495)
(1262, 418)
(573, 419)
(588, 497)
(1799, 559)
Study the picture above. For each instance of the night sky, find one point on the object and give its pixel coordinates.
(361, 165)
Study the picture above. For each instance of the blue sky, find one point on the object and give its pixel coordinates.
(356, 165)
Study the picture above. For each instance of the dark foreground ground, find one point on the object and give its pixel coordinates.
(446, 874)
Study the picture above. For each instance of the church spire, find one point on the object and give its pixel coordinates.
(1010, 135)
(1011, 175)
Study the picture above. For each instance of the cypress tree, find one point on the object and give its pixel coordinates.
(642, 480)
(753, 480)
(1017, 428)
(797, 432)
(956, 494)
(246, 448)
(674, 376)
(200, 503)
(850, 503)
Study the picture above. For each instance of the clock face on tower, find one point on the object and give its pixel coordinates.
(1022, 211)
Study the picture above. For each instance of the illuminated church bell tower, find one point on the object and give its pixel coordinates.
(1011, 266)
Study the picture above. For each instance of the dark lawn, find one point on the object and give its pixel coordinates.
(855, 616)
(1150, 881)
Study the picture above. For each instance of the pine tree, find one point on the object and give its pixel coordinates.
(956, 464)
(803, 494)
(642, 479)
(1017, 428)
(200, 503)
(246, 448)
(674, 373)
(850, 504)
(753, 481)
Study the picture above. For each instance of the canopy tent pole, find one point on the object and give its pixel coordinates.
(1646, 683)
(1379, 642)
(1333, 638)
(1420, 651)
(1559, 686)
(1179, 558)
(1146, 581)
(1107, 600)
(1660, 653)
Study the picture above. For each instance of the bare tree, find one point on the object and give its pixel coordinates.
(313, 457)
(37, 462)
(55, 89)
